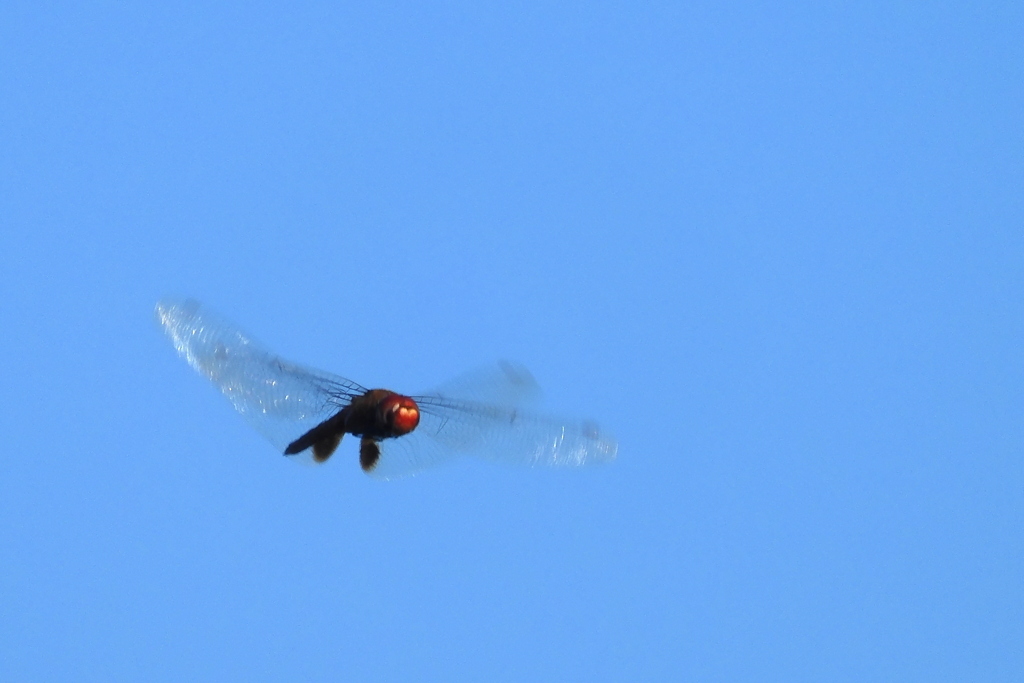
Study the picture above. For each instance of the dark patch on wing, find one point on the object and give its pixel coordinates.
(369, 454)
(324, 448)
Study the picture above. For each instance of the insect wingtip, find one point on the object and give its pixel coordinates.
(605, 447)
(170, 310)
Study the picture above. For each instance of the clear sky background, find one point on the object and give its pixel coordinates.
(777, 249)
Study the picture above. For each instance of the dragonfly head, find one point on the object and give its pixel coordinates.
(400, 413)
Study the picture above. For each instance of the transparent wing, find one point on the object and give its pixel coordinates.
(501, 384)
(481, 414)
(281, 400)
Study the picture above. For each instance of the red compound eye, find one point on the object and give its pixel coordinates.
(402, 414)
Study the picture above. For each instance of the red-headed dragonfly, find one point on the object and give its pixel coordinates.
(305, 412)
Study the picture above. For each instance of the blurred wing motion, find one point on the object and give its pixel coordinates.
(449, 426)
(281, 400)
(480, 413)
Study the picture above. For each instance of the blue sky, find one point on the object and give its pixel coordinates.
(776, 249)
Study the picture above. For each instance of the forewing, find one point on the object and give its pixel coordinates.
(281, 400)
(514, 436)
(451, 424)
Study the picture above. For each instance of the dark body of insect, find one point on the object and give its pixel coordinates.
(378, 414)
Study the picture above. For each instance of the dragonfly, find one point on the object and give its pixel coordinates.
(305, 412)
